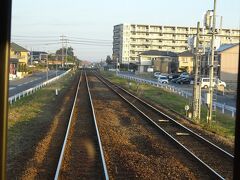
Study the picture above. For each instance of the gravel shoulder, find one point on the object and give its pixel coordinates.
(133, 149)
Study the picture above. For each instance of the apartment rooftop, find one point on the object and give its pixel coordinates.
(159, 53)
(171, 26)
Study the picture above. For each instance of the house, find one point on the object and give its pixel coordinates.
(185, 61)
(228, 56)
(19, 53)
(19, 57)
(163, 61)
(226, 62)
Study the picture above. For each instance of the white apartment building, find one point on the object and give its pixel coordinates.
(130, 40)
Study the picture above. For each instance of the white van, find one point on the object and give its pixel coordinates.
(205, 83)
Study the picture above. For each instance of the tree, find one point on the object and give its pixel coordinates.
(109, 60)
(69, 51)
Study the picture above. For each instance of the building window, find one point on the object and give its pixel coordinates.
(185, 60)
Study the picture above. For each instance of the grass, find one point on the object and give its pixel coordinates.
(28, 107)
(30, 114)
(224, 124)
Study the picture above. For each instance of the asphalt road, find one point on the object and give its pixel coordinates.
(19, 85)
(227, 99)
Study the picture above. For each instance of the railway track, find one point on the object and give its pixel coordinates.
(82, 154)
(217, 161)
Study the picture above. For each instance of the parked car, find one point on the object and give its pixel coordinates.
(184, 81)
(173, 76)
(176, 79)
(156, 74)
(205, 83)
(163, 79)
(184, 75)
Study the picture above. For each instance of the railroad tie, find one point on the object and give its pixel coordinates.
(182, 134)
(163, 120)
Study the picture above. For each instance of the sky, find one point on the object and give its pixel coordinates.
(88, 24)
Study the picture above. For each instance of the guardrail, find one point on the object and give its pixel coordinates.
(222, 107)
(29, 91)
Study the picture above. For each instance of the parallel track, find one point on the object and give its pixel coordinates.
(217, 161)
(82, 140)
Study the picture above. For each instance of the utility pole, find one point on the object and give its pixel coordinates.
(62, 39)
(47, 66)
(117, 66)
(56, 59)
(31, 55)
(66, 51)
(196, 105)
(211, 68)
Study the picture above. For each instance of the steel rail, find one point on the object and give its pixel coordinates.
(98, 135)
(174, 121)
(211, 170)
(66, 135)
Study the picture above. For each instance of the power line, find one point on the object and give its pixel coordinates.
(73, 37)
(27, 36)
(90, 42)
(26, 39)
(107, 40)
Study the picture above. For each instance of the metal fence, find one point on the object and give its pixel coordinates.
(223, 107)
(29, 91)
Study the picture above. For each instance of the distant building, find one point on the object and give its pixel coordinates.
(226, 62)
(163, 61)
(185, 61)
(130, 40)
(37, 56)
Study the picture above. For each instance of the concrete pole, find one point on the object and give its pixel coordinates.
(31, 55)
(117, 66)
(62, 50)
(211, 68)
(66, 53)
(195, 103)
(47, 67)
(56, 69)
